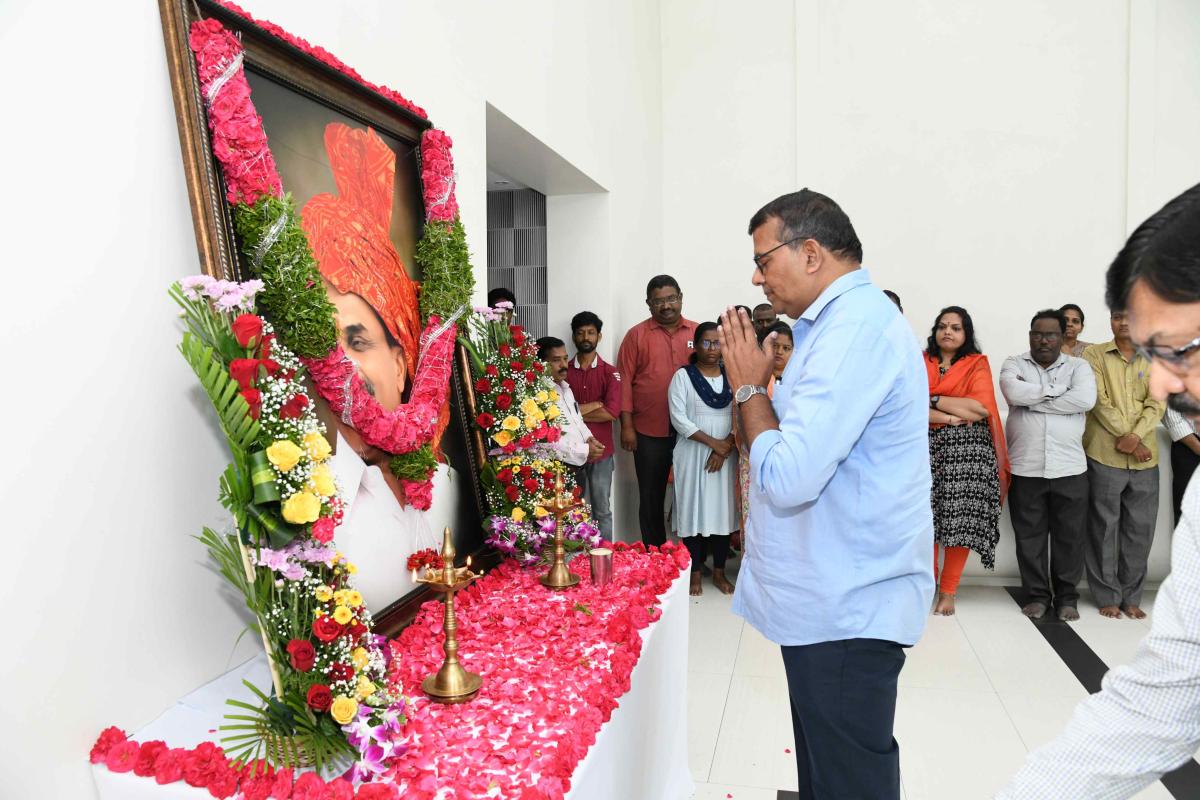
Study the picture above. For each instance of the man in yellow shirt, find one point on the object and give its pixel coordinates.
(1122, 455)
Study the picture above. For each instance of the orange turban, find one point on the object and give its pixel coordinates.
(348, 232)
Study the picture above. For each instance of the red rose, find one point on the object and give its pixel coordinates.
(271, 366)
(530, 485)
(322, 530)
(253, 398)
(508, 385)
(530, 377)
(169, 766)
(244, 371)
(123, 756)
(356, 629)
(301, 654)
(485, 420)
(518, 335)
(295, 407)
(536, 366)
(340, 672)
(505, 475)
(504, 402)
(517, 366)
(247, 328)
(505, 351)
(326, 628)
(548, 481)
(483, 386)
(319, 697)
(108, 737)
(147, 757)
(513, 494)
(491, 370)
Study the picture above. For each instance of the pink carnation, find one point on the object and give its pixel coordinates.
(122, 757)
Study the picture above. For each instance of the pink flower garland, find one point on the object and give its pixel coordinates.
(325, 57)
(546, 691)
(238, 139)
(437, 176)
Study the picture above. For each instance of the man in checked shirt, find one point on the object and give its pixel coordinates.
(1145, 721)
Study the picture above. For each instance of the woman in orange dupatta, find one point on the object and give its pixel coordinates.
(967, 451)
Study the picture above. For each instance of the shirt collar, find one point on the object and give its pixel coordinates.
(595, 362)
(1058, 362)
(851, 280)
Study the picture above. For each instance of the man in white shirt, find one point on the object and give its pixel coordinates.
(1049, 395)
(576, 446)
(1145, 721)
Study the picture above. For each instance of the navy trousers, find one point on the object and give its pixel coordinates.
(843, 697)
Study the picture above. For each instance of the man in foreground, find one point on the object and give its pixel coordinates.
(836, 568)
(1145, 721)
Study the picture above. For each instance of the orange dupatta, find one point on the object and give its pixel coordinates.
(971, 376)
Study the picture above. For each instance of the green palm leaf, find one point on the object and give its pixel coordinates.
(233, 412)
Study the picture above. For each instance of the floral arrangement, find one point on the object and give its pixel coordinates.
(421, 559)
(548, 691)
(277, 251)
(328, 670)
(517, 489)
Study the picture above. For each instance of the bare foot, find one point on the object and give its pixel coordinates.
(1112, 612)
(721, 582)
(945, 605)
(1068, 614)
(1034, 610)
(1133, 612)
(695, 590)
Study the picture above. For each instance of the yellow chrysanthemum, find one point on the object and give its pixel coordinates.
(323, 594)
(339, 597)
(342, 615)
(354, 599)
(317, 447)
(284, 454)
(350, 568)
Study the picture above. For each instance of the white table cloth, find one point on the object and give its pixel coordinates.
(639, 754)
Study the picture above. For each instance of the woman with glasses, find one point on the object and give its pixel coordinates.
(967, 451)
(701, 403)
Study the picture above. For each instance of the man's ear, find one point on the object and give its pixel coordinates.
(401, 367)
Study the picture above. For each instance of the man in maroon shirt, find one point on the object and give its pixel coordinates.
(596, 385)
(650, 353)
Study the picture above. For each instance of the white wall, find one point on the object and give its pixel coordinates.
(986, 152)
(111, 463)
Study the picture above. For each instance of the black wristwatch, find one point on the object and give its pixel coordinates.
(933, 401)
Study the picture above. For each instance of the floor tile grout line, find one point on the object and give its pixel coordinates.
(728, 689)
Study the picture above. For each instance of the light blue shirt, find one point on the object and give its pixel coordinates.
(840, 540)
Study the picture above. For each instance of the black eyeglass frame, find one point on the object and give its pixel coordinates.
(1174, 356)
(758, 259)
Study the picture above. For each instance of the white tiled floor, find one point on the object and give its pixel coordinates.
(978, 692)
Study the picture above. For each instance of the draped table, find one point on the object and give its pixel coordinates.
(639, 752)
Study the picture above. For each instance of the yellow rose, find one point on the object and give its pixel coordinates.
(323, 594)
(301, 508)
(343, 709)
(342, 615)
(354, 599)
(511, 423)
(551, 412)
(360, 657)
(317, 446)
(531, 422)
(541, 396)
(539, 512)
(365, 687)
(502, 438)
(322, 480)
(554, 394)
(284, 454)
(529, 406)
(518, 514)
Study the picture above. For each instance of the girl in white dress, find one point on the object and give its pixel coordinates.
(701, 403)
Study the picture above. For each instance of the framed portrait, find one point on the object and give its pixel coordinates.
(350, 158)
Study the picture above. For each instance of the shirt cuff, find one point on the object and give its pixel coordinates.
(759, 449)
(1178, 427)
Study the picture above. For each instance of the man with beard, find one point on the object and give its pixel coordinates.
(1048, 395)
(597, 388)
(1122, 451)
(1145, 721)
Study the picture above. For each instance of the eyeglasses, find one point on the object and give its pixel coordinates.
(759, 259)
(1044, 336)
(664, 301)
(710, 344)
(1174, 357)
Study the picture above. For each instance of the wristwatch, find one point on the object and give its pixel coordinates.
(933, 401)
(746, 391)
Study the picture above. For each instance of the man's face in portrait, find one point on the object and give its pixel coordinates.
(380, 360)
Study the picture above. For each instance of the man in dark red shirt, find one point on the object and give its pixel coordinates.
(650, 353)
(596, 385)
